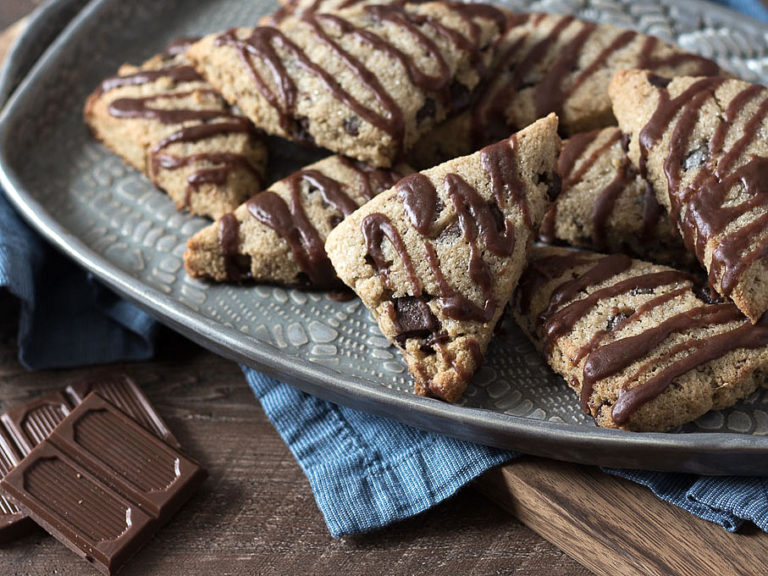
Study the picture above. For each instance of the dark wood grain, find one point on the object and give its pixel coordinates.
(256, 513)
(618, 528)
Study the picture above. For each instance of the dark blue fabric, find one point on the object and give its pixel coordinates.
(67, 319)
(365, 471)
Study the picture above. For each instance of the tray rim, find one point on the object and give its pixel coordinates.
(710, 453)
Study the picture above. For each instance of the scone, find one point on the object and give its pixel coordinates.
(163, 119)
(278, 235)
(553, 63)
(605, 205)
(702, 144)
(645, 349)
(436, 258)
(294, 7)
(364, 82)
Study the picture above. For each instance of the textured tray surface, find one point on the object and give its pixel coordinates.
(113, 221)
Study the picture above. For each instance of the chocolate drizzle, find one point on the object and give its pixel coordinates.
(264, 41)
(704, 208)
(515, 68)
(235, 266)
(582, 149)
(566, 308)
(294, 225)
(214, 168)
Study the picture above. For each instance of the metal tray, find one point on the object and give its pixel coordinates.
(111, 220)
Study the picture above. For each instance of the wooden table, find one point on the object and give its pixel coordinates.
(256, 513)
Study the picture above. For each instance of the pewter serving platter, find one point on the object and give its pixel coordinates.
(113, 222)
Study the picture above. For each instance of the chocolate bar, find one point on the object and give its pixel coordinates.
(102, 484)
(24, 427)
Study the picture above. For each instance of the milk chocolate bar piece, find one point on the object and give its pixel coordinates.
(102, 484)
(122, 392)
(24, 427)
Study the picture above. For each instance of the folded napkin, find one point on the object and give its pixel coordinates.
(365, 471)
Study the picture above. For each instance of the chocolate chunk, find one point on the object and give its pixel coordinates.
(102, 484)
(13, 522)
(705, 293)
(413, 319)
(352, 125)
(427, 111)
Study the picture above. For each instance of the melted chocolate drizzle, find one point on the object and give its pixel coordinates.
(514, 67)
(566, 308)
(575, 151)
(210, 123)
(293, 225)
(704, 209)
(262, 43)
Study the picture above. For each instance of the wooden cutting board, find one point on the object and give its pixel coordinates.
(615, 527)
(611, 526)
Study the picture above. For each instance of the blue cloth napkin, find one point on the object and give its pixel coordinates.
(365, 471)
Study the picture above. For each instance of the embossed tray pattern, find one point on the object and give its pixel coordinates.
(112, 220)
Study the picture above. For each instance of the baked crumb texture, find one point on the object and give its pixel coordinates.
(605, 205)
(436, 258)
(700, 143)
(644, 347)
(163, 119)
(278, 235)
(553, 63)
(365, 82)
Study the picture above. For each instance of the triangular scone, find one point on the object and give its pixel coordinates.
(702, 143)
(645, 348)
(163, 119)
(605, 205)
(278, 235)
(365, 82)
(553, 63)
(436, 258)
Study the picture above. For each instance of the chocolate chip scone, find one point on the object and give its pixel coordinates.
(364, 82)
(701, 142)
(553, 63)
(278, 235)
(163, 119)
(436, 258)
(645, 349)
(294, 7)
(605, 205)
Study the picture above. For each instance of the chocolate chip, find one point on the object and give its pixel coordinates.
(706, 294)
(616, 319)
(459, 97)
(658, 81)
(696, 158)
(555, 187)
(426, 111)
(352, 125)
(301, 131)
